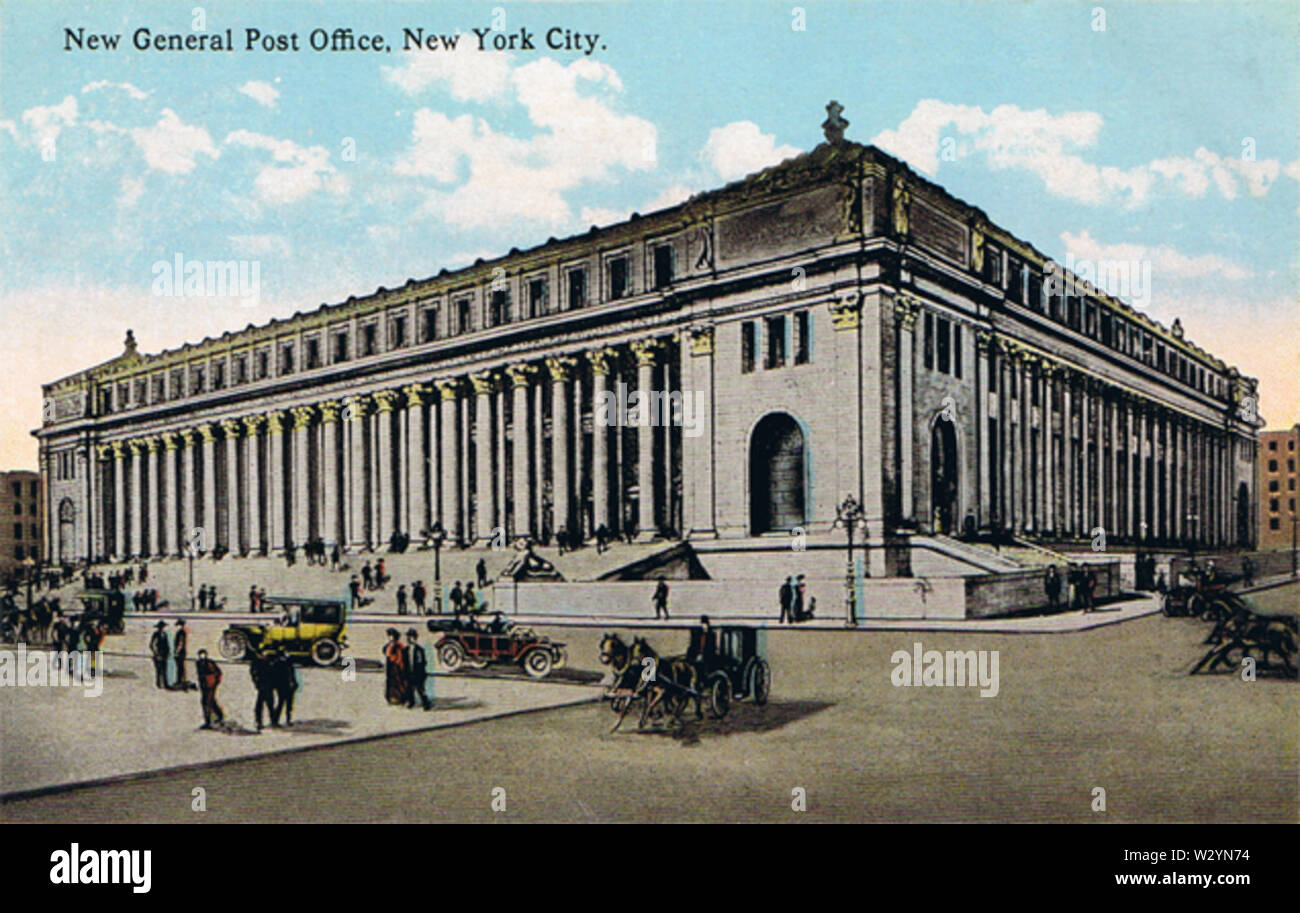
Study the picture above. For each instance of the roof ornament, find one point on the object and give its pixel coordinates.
(1177, 328)
(834, 124)
(129, 343)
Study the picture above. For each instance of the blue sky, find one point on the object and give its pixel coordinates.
(1165, 133)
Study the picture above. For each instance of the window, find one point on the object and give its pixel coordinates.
(241, 370)
(369, 339)
(663, 265)
(341, 345)
(430, 330)
(464, 316)
(1015, 281)
(196, 380)
(537, 296)
(18, 508)
(262, 362)
(313, 352)
(617, 267)
(397, 332)
(1074, 317)
(956, 350)
(122, 399)
(802, 337)
(928, 344)
(140, 391)
(1274, 523)
(1034, 296)
(1290, 445)
(286, 358)
(577, 287)
(218, 375)
(18, 489)
(1272, 465)
(775, 357)
(18, 552)
(992, 264)
(176, 384)
(498, 308)
(1272, 504)
(1290, 464)
(943, 343)
(18, 530)
(31, 530)
(748, 346)
(1272, 485)
(1292, 500)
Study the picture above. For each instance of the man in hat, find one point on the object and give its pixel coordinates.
(259, 670)
(786, 597)
(180, 648)
(660, 598)
(417, 671)
(418, 593)
(160, 650)
(284, 681)
(209, 676)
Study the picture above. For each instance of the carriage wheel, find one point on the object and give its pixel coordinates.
(1196, 605)
(452, 656)
(1167, 605)
(718, 688)
(760, 682)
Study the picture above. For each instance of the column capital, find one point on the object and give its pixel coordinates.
(385, 400)
(519, 374)
(329, 411)
(415, 395)
(906, 310)
(231, 427)
(253, 424)
(645, 350)
(561, 366)
(170, 440)
(984, 339)
(483, 382)
(846, 311)
(601, 360)
(152, 443)
(103, 450)
(275, 420)
(354, 407)
(701, 338)
(302, 416)
(448, 388)
(136, 444)
(119, 450)
(208, 432)
(187, 436)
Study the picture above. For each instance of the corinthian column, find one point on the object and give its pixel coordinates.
(905, 312)
(152, 446)
(252, 425)
(329, 418)
(561, 369)
(136, 446)
(645, 351)
(120, 545)
(983, 344)
(417, 501)
(601, 362)
(354, 459)
(384, 522)
(275, 481)
(230, 429)
(300, 461)
(520, 495)
(484, 486)
(449, 459)
(207, 433)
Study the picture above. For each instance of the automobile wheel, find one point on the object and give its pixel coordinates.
(718, 689)
(325, 652)
(538, 663)
(233, 645)
(452, 656)
(1196, 605)
(760, 682)
(1167, 605)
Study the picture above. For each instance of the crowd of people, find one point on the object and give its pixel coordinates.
(1079, 585)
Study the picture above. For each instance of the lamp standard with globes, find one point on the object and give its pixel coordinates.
(849, 516)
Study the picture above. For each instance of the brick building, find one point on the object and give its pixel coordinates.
(1277, 486)
(849, 327)
(22, 520)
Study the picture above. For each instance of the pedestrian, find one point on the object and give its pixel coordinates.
(1072, 587)
(252, 598)
(1052, 584)
(480, 571)
(284, 681)
(401, 599)
(180, 648)
(660, 598)
(395, 683)
(417, 671)
(469, 601)
(418, 593)
(354, 587)
(160, 650)
(800, 597)
(259, 670)
(366, 579)
(209, 676)
(457, 598)
(1087, 584)
(1247, 571)
(334, 557)
(786, 598)
(381, 575)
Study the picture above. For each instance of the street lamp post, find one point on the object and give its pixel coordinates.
(849, 516)
(30, 567)
(437, 535)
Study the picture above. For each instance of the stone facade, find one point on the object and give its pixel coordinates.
(847, 326)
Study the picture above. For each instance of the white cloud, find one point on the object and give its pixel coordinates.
(740, 148)
(301, 170)
(1166, 262)
(1050, 146)
(131, 190)
(502, 179)
(171, 145)
(47, 121)
(263, 93)
(467, 74)
(137, 94)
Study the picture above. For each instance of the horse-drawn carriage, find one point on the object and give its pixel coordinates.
(1194, 594)
(1240, 632)
(718, 666)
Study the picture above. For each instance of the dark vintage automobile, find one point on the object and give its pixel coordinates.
(314, 629)
(474, 644)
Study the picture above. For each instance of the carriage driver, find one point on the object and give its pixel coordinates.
(704, 643)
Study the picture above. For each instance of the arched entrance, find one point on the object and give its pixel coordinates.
(777, 474)
(943, 477)
(1243, 514)
(67, 529)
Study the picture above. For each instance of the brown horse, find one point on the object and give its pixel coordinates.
(664, 683)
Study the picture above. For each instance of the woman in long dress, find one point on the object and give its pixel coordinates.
(395, 681)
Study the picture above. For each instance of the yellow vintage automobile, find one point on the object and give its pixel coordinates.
(314, 629)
